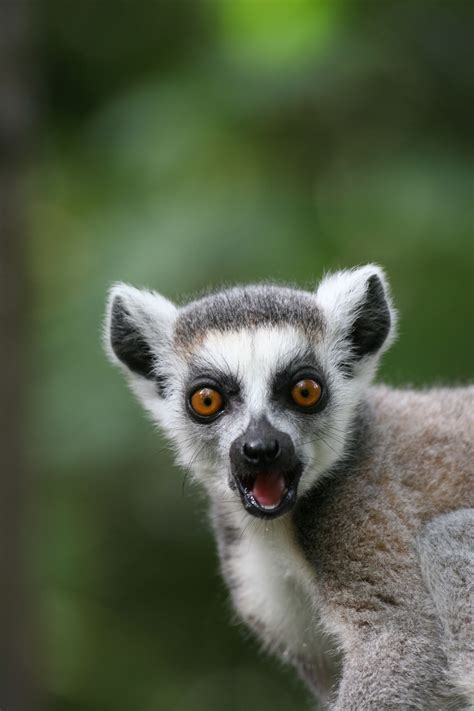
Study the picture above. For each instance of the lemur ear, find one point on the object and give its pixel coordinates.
(138, 329)
(358, 311)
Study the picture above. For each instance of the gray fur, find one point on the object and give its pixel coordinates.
(359, 530)
(365, 587)
(446, 547)
(246, 307)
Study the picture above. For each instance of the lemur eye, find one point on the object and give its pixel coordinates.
(206, 402)
(306, 393)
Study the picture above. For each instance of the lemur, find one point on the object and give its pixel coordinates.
(343, 511)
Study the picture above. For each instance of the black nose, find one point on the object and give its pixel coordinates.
(258, 451)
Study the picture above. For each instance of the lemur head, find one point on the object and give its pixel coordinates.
(256, 386)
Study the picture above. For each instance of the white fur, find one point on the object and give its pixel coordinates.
(339, 297)
(274, 585)
(154, 316)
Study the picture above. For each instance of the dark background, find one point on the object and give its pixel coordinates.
(179, 145)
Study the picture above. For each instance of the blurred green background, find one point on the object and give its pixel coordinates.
(188, 144)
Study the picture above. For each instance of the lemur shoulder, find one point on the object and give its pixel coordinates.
(343, 511)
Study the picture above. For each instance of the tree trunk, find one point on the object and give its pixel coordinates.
(16, 638)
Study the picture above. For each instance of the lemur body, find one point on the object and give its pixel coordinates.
(341, 510)
(364, 578)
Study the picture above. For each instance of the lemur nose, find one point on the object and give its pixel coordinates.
(259, 450)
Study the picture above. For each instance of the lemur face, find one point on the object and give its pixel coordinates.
(255, 398)
(256, 387)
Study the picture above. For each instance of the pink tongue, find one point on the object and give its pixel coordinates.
(269, 488)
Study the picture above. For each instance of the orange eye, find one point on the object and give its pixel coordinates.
(206, 402)
(306, 393)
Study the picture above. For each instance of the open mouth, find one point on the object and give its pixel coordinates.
(269, 493)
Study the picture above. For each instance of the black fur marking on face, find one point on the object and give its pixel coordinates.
(262, 451)
(204, 375)
(304, 358)
(372, 325)
(202, 372)
(130, 346)
(247, 307)
(299, 369)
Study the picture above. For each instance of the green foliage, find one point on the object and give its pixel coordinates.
(189, 145)
(279, 36)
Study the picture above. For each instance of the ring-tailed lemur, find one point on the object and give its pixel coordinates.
(341, 510)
